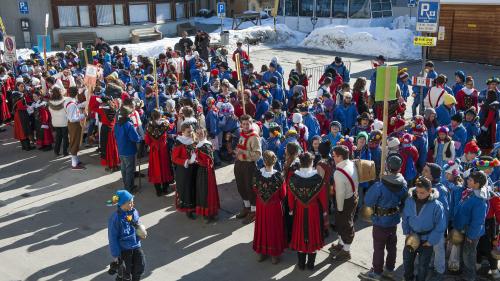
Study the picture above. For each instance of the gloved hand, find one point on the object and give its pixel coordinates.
(192, 159)
(484, 128)
(45, 126)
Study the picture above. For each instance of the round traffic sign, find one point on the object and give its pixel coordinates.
(9, 44)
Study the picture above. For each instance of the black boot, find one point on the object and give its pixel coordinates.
(311, 258)
(302, 260)
(159, 191)
(23, 145)
(165, 186)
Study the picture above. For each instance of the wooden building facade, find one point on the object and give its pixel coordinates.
(472, 32)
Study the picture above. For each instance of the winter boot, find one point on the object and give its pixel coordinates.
(302, 260)
(311, 258)
(159, 190)
(165, 186)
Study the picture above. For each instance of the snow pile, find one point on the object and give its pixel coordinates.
(371, 41)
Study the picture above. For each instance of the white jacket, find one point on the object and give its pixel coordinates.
(435, 97)
(58, 113)
(343, 188)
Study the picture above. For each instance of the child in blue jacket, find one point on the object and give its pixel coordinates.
(469, 218)
(310, 122)
(124, 242)
(445, 111)
(334, 135)
(458, 134)
(422, 215)
(346, 114)
(471, 124)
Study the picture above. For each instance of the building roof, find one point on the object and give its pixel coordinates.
(469, 2)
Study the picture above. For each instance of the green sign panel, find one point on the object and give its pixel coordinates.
(387, 77)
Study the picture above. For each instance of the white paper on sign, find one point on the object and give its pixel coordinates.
(91, 71)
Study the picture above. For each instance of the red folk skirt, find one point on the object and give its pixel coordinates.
(314, 240)
(269, 233)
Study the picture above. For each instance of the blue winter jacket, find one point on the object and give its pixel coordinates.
(470, 214)
(278, 94)
(376, 154)
(121, 233)
(444, 198)
(390, 192)
(405, 89)
(422, 146)
(225, 75)
(460, 139)
(198, 76)
(333, 139)
(281, 150)
(268, 74)
(373, 83)
(212, 123)
(229, 124)
(473, 129)
(274, 144)
(444, 114)
(261, 108)
(126, 138)
(346, 115)
(431, 218)
(282, 121)
(455, 196)
(342, 71)
(312, 125)
(456, 88)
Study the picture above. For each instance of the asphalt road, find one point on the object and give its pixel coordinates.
(53, 220)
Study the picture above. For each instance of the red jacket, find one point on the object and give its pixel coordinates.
(494, 209)
(335, 86)
(464, 101)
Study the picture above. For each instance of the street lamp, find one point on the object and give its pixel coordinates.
(314, 21)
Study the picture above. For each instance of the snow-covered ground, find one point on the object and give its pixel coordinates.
(395, 42)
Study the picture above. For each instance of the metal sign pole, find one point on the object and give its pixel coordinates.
(424, 58)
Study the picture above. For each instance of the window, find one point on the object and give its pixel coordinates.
(68, 16)
(323, 8)
(381, 8)
(180, 10)
(306, 8)
(119, 14)
(163, 12)
(105, 14)
(139, 13)
(291, 8)
(84, 15)
(340, 8)
(359, 9)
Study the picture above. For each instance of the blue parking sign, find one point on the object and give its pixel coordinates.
(23, 7)
(221, 9)
(428, 15)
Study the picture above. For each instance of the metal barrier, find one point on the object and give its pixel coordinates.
(315, 72)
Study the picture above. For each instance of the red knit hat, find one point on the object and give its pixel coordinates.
(214, 73)
(471, 147)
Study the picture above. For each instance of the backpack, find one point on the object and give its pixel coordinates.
(366, 170)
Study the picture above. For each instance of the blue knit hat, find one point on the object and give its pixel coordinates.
(460, 75)
(121, 197)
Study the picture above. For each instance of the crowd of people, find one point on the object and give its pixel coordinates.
(294, 153)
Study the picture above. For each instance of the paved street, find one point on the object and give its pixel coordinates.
(53, 220)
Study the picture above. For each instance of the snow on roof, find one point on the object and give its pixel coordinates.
(469, 2)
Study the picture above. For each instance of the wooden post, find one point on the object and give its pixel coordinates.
(45, 40)
(241, 87)
(385, 120)
(155, 86)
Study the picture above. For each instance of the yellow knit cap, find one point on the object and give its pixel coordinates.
(449, 99)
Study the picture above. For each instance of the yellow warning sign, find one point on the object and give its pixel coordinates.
(424, 41)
